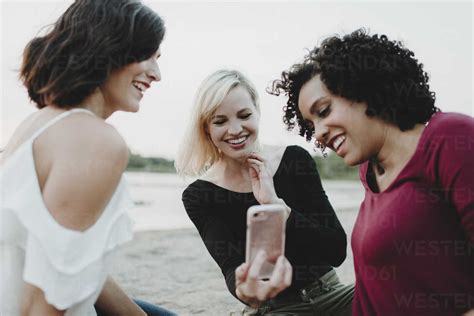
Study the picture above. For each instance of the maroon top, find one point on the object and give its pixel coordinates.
(413, 244)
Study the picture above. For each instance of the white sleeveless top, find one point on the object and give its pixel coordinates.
(69, 266)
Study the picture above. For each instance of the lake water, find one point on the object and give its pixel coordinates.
(159, 207)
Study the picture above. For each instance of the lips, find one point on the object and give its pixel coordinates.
(237, 141)
(140, 85)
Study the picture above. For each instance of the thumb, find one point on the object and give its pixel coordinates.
(241, 272)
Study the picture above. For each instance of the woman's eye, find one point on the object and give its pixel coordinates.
(218, 122)
(245, 116)
(325, 111)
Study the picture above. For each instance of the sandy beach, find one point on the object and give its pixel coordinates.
(167, 263)
(173, 269)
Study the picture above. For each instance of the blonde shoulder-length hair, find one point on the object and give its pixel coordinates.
(197, 152)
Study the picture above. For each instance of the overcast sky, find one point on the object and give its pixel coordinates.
(259, 38)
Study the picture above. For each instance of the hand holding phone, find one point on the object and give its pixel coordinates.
(253, 291)
(265, 232)
(265, 272)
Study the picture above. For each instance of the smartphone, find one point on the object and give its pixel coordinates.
(265, 231)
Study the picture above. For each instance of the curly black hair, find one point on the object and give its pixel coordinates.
(89, 41)
(362, 68)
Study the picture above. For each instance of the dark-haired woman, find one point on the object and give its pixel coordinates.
(64, 198)
(367, 98)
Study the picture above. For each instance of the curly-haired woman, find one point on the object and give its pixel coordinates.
(64, 198)
(367, 98)
(221, 148)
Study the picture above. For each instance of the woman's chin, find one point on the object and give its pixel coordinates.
(133, 109)
(351, 162)
(240, 156)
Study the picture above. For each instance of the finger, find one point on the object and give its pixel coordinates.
(253, 172)
(263, 293)
(255, 162)
(250, 287)
(256, 265)
(276, 283)
(241, 295)
(258, 156)
(288, 273)
(241, 272)
(260, 167)
(257, 168)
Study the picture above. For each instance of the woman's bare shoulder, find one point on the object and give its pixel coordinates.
(88, 159)
(81, 134)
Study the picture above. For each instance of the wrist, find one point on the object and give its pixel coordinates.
(273, 200)
(277, 200)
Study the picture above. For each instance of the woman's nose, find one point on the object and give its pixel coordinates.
(321, 133)
(235, 128)
(154, 72)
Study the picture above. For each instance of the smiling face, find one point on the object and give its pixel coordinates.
(125, 87)
(340, 124)
(234, 126)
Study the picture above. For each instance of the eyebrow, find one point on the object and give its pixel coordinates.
(224, 116)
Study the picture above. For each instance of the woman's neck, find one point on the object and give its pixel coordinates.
(237, 170)
(96, 104)
(397, 149)
(230, 174)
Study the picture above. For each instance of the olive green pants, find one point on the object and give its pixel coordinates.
(327, 297)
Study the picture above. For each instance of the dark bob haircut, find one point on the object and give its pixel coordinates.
(89, 41)
(362, 68)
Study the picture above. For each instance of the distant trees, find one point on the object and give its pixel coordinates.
(150, 164)
(331, 167)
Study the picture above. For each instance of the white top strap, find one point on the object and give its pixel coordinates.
(58, 118)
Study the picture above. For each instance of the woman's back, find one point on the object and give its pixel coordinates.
(63, 209)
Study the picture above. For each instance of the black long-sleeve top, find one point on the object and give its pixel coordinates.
(315, 239)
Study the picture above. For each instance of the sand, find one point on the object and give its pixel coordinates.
(174, 270)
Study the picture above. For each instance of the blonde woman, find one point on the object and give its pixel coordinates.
(235, 172)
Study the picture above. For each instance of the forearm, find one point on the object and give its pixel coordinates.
(114, 301)
(35, 304)
(277, 200)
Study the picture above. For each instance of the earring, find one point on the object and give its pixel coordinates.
(322, 148)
